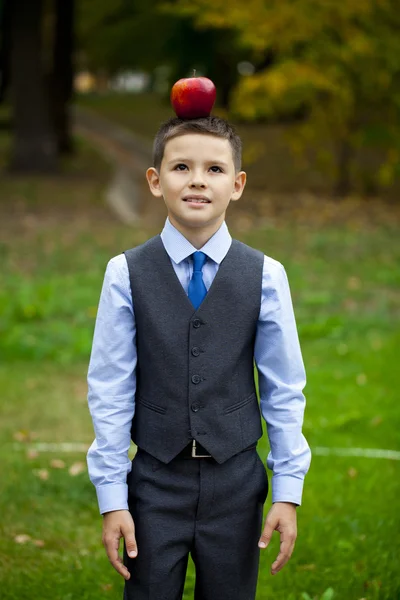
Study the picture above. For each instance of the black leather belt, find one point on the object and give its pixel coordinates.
(196, 450)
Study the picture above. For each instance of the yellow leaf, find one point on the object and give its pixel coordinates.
(22, 538)
(31, 453)
(77, 468)
(43, 474)
(56, 463)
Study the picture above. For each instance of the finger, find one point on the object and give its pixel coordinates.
(121, 568)
(266, 535)
(130, 541)
(111, 545)
(285, 552)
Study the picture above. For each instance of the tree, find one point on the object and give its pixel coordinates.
(138, 34)
(339, 59)
(61, 79)
(5, 42)
(34, 147)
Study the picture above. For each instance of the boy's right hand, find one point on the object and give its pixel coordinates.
(119, 524)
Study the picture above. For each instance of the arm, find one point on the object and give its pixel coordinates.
(281, 381)
(111, 398)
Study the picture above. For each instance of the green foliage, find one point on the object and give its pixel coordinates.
(120, 35)
(337, 62)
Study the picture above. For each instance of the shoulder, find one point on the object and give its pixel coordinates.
(273, 267)
(117, 271)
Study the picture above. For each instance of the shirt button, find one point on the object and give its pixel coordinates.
(195, 351)
(196, 323)
(196, 378)
(195, 407)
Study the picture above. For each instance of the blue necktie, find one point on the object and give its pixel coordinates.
(197, 289)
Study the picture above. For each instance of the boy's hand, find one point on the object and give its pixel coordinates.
(282, 518)
(118, 524)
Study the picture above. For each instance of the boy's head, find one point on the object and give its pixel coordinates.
(207, 126)
(196, 170)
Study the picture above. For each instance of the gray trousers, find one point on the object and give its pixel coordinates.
(196, 506)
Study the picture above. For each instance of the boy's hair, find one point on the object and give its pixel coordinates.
(205, 125)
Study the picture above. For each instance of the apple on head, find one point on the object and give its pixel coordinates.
(193, 97)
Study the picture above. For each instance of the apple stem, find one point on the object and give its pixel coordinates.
(194, 73)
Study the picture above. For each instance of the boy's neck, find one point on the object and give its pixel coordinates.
(197, 236)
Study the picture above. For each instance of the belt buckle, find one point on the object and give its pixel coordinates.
(194, 455)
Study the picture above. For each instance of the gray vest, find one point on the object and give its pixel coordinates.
(195, 370)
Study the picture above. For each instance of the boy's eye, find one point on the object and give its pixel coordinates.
(180, 167)
(219, 170)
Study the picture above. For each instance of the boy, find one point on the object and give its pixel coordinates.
(181, 319)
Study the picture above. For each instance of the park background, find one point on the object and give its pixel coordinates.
(313, 87)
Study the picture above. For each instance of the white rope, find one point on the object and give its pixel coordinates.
(360, 452)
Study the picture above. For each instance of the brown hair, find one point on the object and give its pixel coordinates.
(204, 125)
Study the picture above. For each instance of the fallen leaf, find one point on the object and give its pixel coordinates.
(106, 587)
(21, 436)
(38, 543)
(22, 538)
(57, 463)
(77, 468)
(43, 474)
(376, 420)
(32, 453)
(352, 472)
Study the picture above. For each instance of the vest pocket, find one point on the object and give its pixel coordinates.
(154, 407)
(240, 404)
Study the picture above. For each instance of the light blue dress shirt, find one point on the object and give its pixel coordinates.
(112, 366)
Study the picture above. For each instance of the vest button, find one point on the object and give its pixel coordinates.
(195, 407)
(196, 323)
(196, 378)
(195, 351)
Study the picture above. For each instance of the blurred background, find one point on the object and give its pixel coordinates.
(313, 87)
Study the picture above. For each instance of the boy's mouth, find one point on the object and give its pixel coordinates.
(196, 199)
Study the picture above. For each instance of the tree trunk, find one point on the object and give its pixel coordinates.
(34, 142)
(5, 27)
(62, 74)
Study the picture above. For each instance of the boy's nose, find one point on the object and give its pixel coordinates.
(197, 182)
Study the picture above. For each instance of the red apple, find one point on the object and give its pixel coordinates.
(193, 97)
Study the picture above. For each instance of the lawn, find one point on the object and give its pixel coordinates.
(56, 238)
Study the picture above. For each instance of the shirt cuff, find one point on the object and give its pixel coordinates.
(112, 497)
(286, 488)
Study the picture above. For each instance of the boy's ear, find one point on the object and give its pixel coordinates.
(240, 182)
(153, 179)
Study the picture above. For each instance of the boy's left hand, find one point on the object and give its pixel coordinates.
(282, 518)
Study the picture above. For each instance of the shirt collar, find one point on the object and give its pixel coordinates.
(179, 248)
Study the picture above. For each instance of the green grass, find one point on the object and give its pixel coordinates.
(55, 243)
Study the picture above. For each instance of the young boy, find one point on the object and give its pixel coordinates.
(181, 319)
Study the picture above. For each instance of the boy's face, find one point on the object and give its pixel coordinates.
(197, 180)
